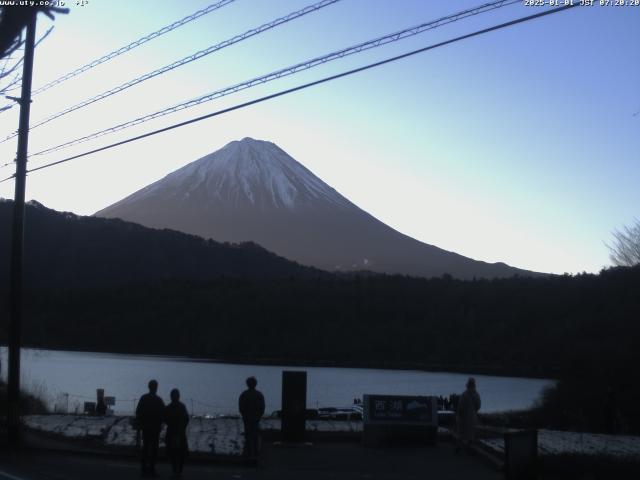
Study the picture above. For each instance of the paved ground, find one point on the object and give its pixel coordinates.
(345, 460)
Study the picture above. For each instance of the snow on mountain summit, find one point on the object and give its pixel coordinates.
(248, 173)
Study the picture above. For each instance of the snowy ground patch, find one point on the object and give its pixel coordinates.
(552, 442)
(72, 426)
(216, 436)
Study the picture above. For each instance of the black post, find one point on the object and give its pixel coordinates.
(17, 243)
(294, 406)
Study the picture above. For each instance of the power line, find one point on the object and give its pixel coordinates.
(122, 50)
(178, 63)
(290, 70)
(305, 86)
(377, 42)
(134, 44)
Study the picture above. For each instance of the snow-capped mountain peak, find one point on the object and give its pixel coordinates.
(249, 173)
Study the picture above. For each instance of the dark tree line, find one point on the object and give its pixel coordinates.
(66, 250)
(520, 326)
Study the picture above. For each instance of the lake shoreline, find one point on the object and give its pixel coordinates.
(67, 379)
(492, 370)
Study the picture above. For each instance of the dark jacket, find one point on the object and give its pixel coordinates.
(150, 412)
(251, 405)
(176, 418)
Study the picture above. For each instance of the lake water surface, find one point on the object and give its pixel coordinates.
(212, 388)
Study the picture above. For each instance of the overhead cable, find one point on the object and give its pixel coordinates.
(305, 86)
(134, 44)
(202, 53)
(306, 65)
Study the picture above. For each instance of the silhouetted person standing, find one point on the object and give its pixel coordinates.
(101, 407)
(467, 413)
(176, 418)
(150, 413)
(251, 404)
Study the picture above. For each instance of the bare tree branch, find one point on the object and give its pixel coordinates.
(16, 80)
(14, 18)
(625, 249)
(8, 72)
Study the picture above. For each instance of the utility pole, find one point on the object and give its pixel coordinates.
(17, 243)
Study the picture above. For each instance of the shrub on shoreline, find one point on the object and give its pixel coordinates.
(29, 403)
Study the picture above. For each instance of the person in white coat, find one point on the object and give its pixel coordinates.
(467, 414)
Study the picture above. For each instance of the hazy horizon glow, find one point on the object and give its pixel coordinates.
(520, 146)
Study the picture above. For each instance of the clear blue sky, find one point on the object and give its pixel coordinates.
(518, 146)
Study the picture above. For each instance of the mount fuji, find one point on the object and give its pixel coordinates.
(252, 190)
